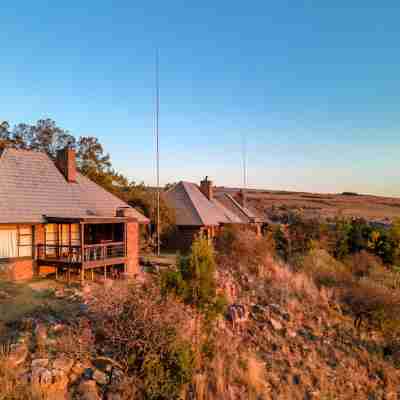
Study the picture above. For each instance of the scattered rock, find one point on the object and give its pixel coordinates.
(117, 377)
(17, 355)
(40, 363)
(100, 377)
(27, 323)
(86, 289)
(106, 363)
(41, 376)
(59, 294)
(63, 363)
(113, 396)
(57, 328)
(78, 368)
(296, 379)
(41, 334)
(276, 324)
(25, 337)
(291, 333)
(4, 295)
(88, 373)
(87, 390)
(237, 314)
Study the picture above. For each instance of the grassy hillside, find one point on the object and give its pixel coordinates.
(231, 323)
(324, 205)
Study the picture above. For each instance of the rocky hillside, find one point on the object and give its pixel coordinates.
(279, 334)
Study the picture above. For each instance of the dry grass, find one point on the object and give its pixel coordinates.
(11, 387)
(328, 205)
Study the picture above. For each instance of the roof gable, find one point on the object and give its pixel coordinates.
(192, 207)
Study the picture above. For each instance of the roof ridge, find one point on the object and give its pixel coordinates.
(191, 200)
(249, 214)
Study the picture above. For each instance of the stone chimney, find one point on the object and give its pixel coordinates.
(206, 188)
(66, 163)
(241, 197)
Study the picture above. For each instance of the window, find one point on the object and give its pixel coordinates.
(15, 241)
(62, 234)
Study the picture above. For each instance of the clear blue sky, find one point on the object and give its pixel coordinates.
(315, 85)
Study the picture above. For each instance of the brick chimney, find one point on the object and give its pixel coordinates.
(241, 197)
(206, 188)
(66, 163)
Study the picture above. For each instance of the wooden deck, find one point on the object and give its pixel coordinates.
(81, 257)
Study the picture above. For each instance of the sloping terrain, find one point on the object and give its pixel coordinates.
(369, 207)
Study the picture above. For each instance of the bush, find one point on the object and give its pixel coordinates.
(143, 330)
(242, 250)
(194, 280)
(362, 263)
(325, 270)
(378, 306)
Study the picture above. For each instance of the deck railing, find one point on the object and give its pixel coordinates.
(104, 251)
(73, 254)
(62, 253)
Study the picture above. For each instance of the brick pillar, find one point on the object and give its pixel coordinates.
(38, 239)
(132, 248)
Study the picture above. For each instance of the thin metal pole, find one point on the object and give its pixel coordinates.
(244, 156)
(158, 151)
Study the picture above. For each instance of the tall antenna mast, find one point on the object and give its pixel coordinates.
(244, 159)
(157, 150)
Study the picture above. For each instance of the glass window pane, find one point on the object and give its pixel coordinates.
(8, 243)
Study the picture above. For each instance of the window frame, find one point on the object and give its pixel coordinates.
(17, 228)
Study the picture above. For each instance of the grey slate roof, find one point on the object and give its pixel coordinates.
(192, 207)
(231, 204)
(31, 186)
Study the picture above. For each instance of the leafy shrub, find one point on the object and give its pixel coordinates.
(194, 280)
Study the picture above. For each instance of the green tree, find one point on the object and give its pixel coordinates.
(342, 229)
(91, 158)
(195, 279)
(44, 136)
(281, 244)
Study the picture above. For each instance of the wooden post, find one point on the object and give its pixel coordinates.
(82, 232)
(56, 273)
(68, 275)
(82, 274)
(125, 239)
(105, 273)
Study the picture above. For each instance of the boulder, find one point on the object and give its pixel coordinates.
(87, 390)
(17, 355)
(63, 363)
(276, 324)
(41, 334)
(41, 376)
(117, 377)
(236, 313)
(106, 363)
(114, 396)
(57, 328)
(39, 363)
(100, 377)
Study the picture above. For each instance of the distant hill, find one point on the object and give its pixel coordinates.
(348, 204)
